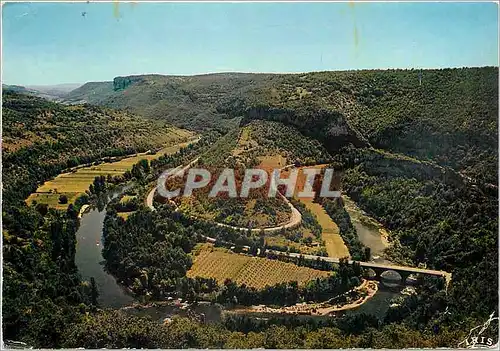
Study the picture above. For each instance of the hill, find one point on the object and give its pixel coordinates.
(185, 101)
(400, 137)
(16, 88)
(41, 138)
(53, 92)
(448, 116)
(49, 92)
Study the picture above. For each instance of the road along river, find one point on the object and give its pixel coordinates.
(112, 295)
(91, 264)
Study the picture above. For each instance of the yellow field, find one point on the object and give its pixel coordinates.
(53, 199)
(75, 183)
(221, 264)
(331, 233)
(244, 136)
(270, 163)
(127, 198)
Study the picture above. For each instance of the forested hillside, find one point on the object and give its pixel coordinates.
(42, 290)
(49, 92)
(41, 138)
(434, 219)
(448, 116)
(417, 151)
(186, 101)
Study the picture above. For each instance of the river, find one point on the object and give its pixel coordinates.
(370, 232)
(89, 258)
(90, 263)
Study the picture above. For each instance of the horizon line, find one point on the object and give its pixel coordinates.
(256, 73)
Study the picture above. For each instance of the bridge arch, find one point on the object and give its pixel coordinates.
(370, 273)
(411, 279)
(391, 278)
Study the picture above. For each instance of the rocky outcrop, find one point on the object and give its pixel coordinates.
(122, 83)
(329, 127)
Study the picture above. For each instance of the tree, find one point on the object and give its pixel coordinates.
(42, 208)
(94, 293)
(63, 199)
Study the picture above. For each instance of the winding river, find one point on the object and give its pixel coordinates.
(112, 295)
(89, 258)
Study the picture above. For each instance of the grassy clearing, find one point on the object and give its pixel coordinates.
(245, 142)
(125, 215)
(75, 183)
(221, 264)
(53, 199)
(271, 162)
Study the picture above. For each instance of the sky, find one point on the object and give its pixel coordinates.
(53, 43)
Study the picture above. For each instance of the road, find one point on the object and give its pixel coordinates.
(178, 171)
(295, 219)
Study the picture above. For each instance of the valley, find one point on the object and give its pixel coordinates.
(76, 182)
(404, 219)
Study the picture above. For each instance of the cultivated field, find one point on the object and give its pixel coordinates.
(75, 183)
(271, 162)
(330, 234)
(221, 264)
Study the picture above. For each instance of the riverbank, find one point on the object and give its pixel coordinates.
(207, 312)
(366, 291)
(83, 209)
(370, 232)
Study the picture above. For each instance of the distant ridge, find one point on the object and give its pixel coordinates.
(49, 92)
(450, 113)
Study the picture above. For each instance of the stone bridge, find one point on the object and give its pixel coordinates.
(404, 271)
(380, 268)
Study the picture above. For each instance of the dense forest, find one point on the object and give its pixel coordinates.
(435, 220)
(42, 290)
